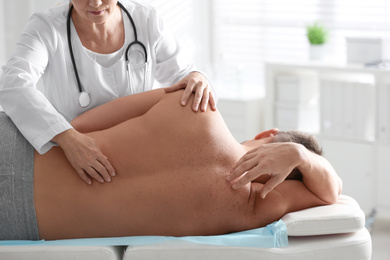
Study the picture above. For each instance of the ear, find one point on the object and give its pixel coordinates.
(267, 133)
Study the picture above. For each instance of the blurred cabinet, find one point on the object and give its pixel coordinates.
(242, 115)
(348, 107)
(383, 173)
(349, 112)
(296, 105)
(353, 161)
(383, 108)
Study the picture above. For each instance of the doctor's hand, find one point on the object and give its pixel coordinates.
(85, 156)
(197, 83)
(269, 163)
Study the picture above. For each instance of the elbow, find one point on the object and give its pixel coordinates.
(340, 186)
(334, 192)
(331, 198)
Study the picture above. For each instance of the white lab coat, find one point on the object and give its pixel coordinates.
(43, 51)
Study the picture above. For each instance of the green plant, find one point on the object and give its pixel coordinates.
(316, 34)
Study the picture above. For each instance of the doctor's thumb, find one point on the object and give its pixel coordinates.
(179, 85)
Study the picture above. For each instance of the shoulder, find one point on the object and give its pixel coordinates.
(48, 24)
(144, 15)
(53, 16)
(138, 8)
(147, 19)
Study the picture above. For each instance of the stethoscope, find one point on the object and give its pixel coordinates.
(85, 97)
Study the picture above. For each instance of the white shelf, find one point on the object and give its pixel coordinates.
(354, 122)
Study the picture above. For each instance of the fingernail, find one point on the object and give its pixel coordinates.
(101, 181)
(108, 179)
(235, 186)
(113, 174)
(229, 178)
(183, 103)
(89, 182)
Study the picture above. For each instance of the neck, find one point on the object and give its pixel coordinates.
(105, 37)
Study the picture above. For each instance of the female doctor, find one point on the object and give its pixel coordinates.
(88, 53)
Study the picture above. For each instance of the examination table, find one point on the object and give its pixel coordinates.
(328, 232)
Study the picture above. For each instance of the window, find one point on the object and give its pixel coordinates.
(249, 32)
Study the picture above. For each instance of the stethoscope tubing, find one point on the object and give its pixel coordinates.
(135, 35)
(71, 50)
(84, 97)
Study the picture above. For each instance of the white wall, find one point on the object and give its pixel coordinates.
(13, 18)
(2, 34)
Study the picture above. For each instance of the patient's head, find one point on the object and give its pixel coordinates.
(295, 136)
(276, 136)
(306, 139)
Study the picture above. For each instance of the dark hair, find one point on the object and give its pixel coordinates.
(306, 139)
(303, 138)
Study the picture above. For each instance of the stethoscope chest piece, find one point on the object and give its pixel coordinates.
(84, 99)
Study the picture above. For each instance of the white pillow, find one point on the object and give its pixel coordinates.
(344, 216)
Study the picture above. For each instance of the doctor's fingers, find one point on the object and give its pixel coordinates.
(101, 167)
(245, 163)
(175, 87)
(84, 176)
(202, 93)
(245, 174)
(248, 177)
(106, 166)
(212, 102)
(187, 93)
(95, 169)
(94, 173)
(208, 98)
(204, 100)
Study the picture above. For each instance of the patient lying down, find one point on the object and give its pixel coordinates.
(172, 167)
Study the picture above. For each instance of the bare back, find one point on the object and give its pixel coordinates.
(171, 166)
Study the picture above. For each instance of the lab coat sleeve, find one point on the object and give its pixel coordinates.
(28, 108)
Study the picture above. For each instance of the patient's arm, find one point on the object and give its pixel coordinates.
(117, 111)
(320, 186)
(273, 163)
(289, 196)
(319, 176)
(294, 175)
